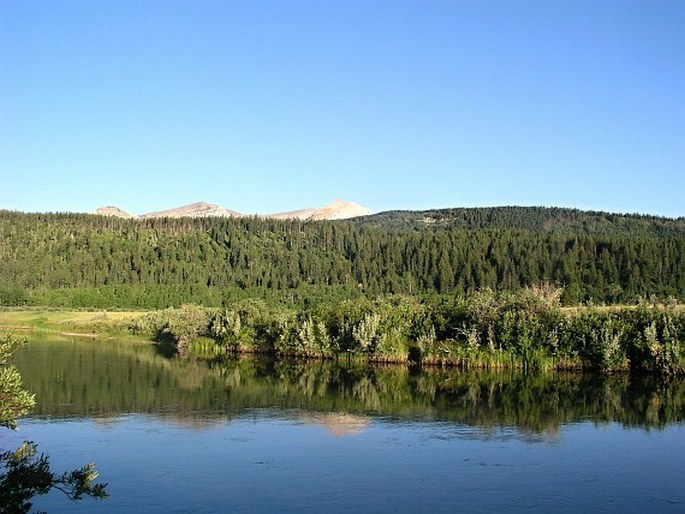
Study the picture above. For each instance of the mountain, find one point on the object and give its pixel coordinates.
(194, 210)
(302, 214)
(113, 211)
(337, 210)
(340, 210)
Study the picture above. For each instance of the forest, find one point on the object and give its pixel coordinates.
(549, 219)
(80, 260)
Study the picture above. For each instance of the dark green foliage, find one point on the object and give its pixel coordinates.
(548, 219)
(73, 260)
(26, 474)
(13, 295)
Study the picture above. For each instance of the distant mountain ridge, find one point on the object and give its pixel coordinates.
(337, 210)
(194, 210)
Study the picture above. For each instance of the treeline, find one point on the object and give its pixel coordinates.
(81, 260)
(527, 330)
(548, 219)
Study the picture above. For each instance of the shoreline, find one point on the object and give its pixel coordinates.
(610, 339)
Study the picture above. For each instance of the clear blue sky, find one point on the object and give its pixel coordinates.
(266, 106)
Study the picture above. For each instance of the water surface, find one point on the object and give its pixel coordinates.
(257, 435)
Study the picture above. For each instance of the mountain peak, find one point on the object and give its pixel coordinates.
(116, 212)
(340, 210)
(193, 210)
(336, 210)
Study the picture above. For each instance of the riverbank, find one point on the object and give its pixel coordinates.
(526, 330)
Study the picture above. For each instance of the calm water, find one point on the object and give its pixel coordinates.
(254, 435)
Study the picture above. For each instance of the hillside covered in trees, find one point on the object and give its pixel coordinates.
(95, 261)
(548, 219)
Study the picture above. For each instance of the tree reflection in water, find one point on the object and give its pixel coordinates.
(107, 379)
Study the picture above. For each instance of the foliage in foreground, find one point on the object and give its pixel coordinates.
(23, 473)
(26, 474)
(527, 329)
(14, 400)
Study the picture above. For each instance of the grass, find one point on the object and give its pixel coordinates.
(68, 322)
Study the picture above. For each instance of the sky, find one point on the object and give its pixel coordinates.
(268, 106)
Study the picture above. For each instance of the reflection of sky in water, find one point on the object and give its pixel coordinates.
(293, 461)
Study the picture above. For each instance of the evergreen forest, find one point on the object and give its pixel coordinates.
(81, 260)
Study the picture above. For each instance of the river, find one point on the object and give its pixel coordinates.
(258, 435)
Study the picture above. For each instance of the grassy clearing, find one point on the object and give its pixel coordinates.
(68, 322)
